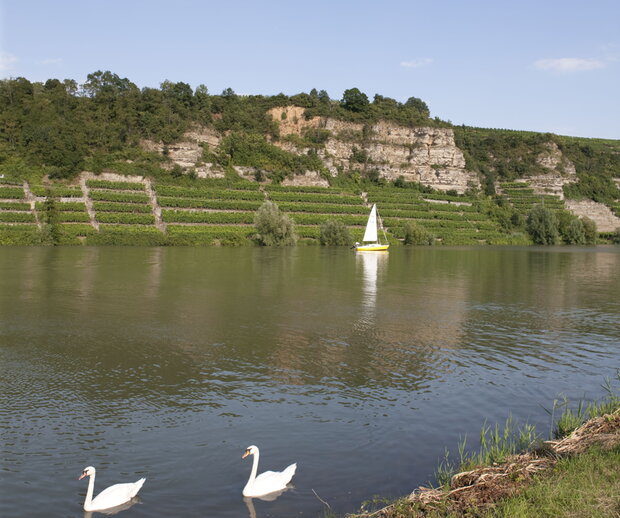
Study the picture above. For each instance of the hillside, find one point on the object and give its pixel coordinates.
(306, 152)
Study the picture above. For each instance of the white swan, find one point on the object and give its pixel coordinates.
(267, 482)
(113, 496)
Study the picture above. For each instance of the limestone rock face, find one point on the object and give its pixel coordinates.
(308, 179)
(425, 154)
(561, 171)
(601, 214)
(187, 152)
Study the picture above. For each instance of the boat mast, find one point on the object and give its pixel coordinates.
(381, 225)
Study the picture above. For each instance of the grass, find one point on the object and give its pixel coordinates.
(496, 444)
(587, 485)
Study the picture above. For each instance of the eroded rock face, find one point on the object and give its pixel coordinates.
(561, 171)
(426, 154)
(308, 179)
(601, 214)
(187, 152)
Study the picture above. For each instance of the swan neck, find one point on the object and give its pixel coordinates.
(89, 492)
(254, 468)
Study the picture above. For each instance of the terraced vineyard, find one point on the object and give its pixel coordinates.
(209, 214)
(18, 221)
(132, 210)
(522, 197)
(453, 220)
(311, 207)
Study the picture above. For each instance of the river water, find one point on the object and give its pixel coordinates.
(362, 368)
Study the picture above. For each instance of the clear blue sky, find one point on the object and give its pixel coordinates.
(542, 65)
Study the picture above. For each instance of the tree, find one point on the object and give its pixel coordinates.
(179, 95)
(542, 225)
(354, 100)
(272, 227)
(419, 105)
(414, 234)
(590, 232)
(574, 233)
(107, 85)
(51, 228)
(229, 93)
(323, 97)
(335, 233)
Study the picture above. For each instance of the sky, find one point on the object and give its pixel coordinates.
(538, 65)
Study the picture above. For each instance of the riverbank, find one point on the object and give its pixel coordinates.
(575, 476)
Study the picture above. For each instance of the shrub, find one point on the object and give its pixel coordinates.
(574, 234)
(413, 234)
(272, 227)
(615, 237)
(335, 233)
(571, 229)
(542, 225)
(589, 228)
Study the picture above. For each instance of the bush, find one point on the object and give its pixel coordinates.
(615, 237)
(542, 225)
(590, 232)
(335, 233)
(413, 234)
(272, 227)
(574, 234)
(571, 229)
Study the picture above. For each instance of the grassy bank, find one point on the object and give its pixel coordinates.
(585, 485)
(517, 474)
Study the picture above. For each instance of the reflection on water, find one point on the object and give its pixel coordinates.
(271, 497)
(169, 361)
(114, 510)
(373, 264)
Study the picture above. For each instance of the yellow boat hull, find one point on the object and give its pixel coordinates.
(372, 248)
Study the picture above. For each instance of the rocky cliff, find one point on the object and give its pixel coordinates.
(428, 155)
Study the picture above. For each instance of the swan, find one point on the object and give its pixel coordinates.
(267, 482)
(113, 496)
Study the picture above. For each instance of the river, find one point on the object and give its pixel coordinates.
(168, 362)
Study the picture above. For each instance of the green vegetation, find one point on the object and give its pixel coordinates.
(586, 485)
(413, 234)
(253, 150)
(542, 226)
(505, 155)
(411, 213)
(54, 130)
(335, 233)
(59, 128)
(272, 227)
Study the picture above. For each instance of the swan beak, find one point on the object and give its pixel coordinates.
(82, 476)
(247, 452)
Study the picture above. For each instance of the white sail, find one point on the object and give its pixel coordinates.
(371, 227)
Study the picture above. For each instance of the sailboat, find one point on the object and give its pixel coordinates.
(370, 242)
